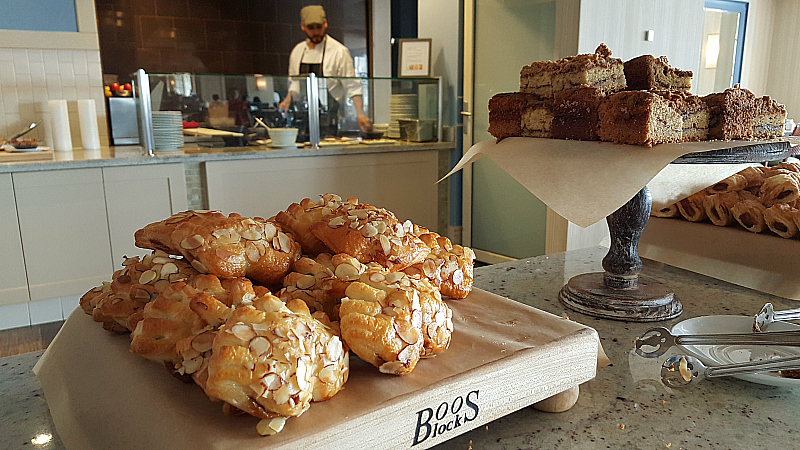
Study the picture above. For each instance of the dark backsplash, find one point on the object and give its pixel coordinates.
(215, 36)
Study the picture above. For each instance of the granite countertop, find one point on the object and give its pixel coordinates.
(134, 155)
(623, 407)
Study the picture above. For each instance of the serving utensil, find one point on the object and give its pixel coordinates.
(768, 315)
(31, 127)
(660, 340)
(682, 371)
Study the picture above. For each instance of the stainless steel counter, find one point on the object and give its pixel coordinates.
(623, 407)
(128, 156)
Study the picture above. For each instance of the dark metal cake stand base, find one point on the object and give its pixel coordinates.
(650, 301)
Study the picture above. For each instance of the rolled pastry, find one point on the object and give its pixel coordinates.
(691, 207)
(780, 218)
(298, 219)
(448, 267)
(749, 212)
(669, 211)
(753, 175)
(735, 182)
(718, 208)
(781, 188)
(790, 166)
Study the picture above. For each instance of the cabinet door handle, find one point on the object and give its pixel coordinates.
(466, 113)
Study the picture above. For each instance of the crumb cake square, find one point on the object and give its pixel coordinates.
(693, 112)
(519, 114)
(597, 69)
(537, 78)
(648, 73)
(768, 118)
(639, 118)
(575, 114)
(731, 114)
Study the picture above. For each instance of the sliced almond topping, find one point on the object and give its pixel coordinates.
(161, 260)
(405, 354)
(147, 276)
(409, 336)
(168, 269)
(224, 254)
(377, 277)
(281, 395)
(130, 261)
(380, 226)
(271, 381)
(336, 222)
(369, 231)
(393, 277)
(285, 242)
(385, 245)
(346, 271)
(429, 268)
(328, 374)
(272, 304)
(268, 427)
(252, 253)
(251, 234)
(334, 348)
(458, 276)
(399, 231)
(326, 210)
(432, 329)
(260, 345)
(192, 242)
(306, 281)
(203, 342)
(192, 365)
(270, 230)
(141, 294)
(391, 367)
(389, 311)
(243, 332)
(259, 389)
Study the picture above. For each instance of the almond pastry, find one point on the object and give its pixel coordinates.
(370, 234)
(228, 247)
(272, 359)
(391, 319)
(448, 267)
(118, 304)
(298, 219)
(321, 282)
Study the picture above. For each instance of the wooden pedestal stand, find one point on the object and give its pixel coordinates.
(621, 292)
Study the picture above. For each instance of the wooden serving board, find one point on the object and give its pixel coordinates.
(503, 356)
(45, 155)
(209, 132)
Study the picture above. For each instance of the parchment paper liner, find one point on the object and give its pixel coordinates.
(585, 181)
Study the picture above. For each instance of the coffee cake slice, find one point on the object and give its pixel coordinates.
(537, 78)
(519, 114)
(731, 114)
(639, 118)
(575, 113)
(768, 119)
(693, 112)
(596, 69)
(648, 73)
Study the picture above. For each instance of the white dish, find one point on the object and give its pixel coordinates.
(715, 355)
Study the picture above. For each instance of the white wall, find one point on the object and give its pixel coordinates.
(621, 25)
(37, 66)
(440, 20)
(784, 57)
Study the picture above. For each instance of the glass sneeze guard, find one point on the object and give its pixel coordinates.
(245, 106)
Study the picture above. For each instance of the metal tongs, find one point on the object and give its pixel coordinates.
(660, 339)
(768, 315)
(681, 371)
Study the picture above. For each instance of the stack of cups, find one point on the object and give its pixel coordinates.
(58, 131)
(59, 120)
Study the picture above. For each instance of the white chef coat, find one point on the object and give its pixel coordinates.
(336, 62)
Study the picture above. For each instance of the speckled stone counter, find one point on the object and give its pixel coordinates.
(622, 408)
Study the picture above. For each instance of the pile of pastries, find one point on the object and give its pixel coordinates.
(262, 313)
(757, 198)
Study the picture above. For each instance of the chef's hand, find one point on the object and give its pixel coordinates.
(364, 123)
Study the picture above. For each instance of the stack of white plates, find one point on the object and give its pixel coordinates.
(401, 107)
(167, 130)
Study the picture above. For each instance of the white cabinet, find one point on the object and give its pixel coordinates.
(402, 182)
(13, 283)
(64, 229)
(136, 196)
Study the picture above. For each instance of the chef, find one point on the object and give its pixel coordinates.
(325, 57)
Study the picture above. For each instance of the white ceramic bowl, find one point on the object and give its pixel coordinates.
(283, 137)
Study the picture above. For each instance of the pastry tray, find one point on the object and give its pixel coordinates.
(504, 356)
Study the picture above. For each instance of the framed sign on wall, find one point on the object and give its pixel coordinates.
(414, 58)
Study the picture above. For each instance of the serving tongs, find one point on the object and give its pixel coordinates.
(682, 371)
(660, 340)
(28, 130)
(768, 315)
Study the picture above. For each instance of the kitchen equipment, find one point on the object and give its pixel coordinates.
(371, 134)
(281, 137)
(660, 339)
(31, 127)
(123, 121)
(682, 371)
(767, 315)
(417, 130)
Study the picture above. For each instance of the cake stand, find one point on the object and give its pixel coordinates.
(621, 292)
